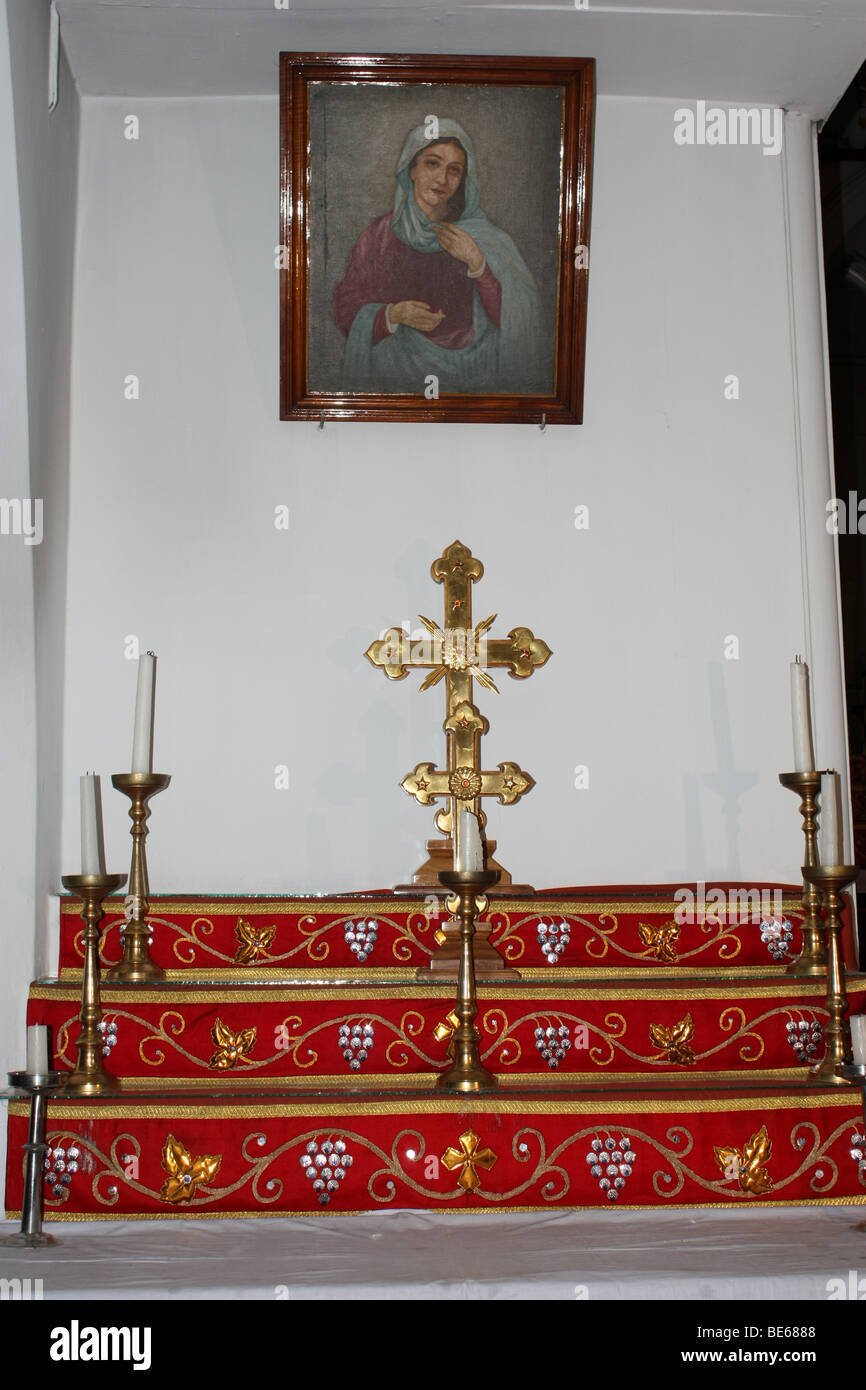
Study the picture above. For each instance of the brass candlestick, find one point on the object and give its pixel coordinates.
(467, 1072)
(136, 964)
(812, 959)
(831, 880)
(89, 1076)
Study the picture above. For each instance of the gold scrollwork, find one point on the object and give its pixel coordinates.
(728, 1021)
(170, 1026)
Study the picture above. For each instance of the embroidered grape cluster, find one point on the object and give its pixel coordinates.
(355, 1043)
(553, 940)
(776, 936)
(612, 1164)
(805, 1038)
(59, 1166)
(326, 1166)
(552, 1043)
(108, 1033)
(361, 938)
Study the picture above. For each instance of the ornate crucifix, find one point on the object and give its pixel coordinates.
(460, 653)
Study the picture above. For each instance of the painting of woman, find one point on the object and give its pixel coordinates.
(435, 289)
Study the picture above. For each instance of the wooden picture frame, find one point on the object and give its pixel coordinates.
(434, 237)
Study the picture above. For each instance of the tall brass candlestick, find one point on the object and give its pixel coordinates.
(467, 1072)
(136, 964)
(89, 1077)
(831, 880)
(812, 960)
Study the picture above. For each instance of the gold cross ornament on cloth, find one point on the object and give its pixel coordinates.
(469, 1158)
(460, 653)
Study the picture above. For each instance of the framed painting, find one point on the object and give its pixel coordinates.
(434, 237)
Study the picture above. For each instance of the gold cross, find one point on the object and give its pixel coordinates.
(469, 1158)
(461, 653)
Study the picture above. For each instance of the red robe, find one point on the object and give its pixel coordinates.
(384, 270)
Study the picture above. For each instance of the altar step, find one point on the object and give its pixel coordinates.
(708, 928)
(737, 1026)
(642, 1060)
(243, 1152)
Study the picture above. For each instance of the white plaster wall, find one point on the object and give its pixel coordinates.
(38, 158)
(17, 680)
(695, 534)
(47, 144)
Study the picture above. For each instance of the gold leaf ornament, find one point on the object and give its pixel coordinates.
(185, 1174)
(231, 1048)
(661, 940)
(253, 942)
(750, 1163)
(674, 1040)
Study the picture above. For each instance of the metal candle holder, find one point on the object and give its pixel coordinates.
(467, 1072)
(38, 1084)
(831, 880)
(136, 964)
(812, 960)
(89, 1077)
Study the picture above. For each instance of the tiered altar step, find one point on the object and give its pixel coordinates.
(278, 1069)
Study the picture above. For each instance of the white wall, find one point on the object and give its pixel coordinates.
(38, 157)
(695, 535)
(17, 681)
(47, 168)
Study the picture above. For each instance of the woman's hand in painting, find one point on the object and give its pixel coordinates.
(415, 314)
(460, 245)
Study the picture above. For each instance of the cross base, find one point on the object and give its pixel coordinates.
(441, 858)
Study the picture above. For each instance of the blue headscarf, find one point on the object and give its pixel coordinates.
(409, 223)
(510, 358)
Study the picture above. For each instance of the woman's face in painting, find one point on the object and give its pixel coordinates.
(436, 175)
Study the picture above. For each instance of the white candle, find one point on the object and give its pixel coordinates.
(37, 1049)
(858, 1038)
(142, 739)
(92, 846)
(830, 821)
(470, 853)
(801, 718)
